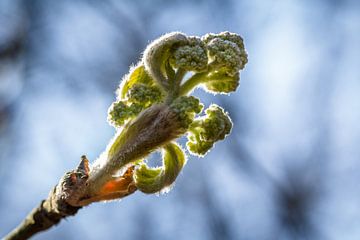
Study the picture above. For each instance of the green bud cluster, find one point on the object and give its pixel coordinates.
(190, 55)
(233, 38)
(225, 56)
(204, 132)
(186, 108)
(120, 111)
(137, 93)
(144, 94)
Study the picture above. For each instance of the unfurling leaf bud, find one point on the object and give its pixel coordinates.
(153, 106)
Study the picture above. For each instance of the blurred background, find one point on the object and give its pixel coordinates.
(289, 170)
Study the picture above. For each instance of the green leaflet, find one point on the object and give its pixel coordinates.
(153, 180)
(137, 75)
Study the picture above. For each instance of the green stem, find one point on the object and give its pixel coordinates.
(180, 73)
(175, 82)
(191, 83)
(170, 72)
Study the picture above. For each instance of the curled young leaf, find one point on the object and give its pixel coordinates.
(157, 54)
(153, 180)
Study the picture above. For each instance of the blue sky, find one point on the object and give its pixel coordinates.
(289, 170)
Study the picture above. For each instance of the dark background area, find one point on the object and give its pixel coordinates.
(289, 169)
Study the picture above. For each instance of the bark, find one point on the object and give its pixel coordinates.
(43, 217)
